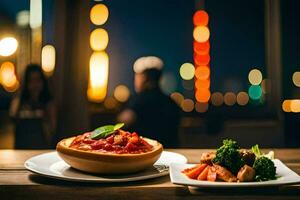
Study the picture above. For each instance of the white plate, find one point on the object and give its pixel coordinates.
(286, 176)
(51, 165)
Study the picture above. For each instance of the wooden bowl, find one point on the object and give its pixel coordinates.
(108, 163)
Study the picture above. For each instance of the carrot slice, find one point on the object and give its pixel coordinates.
(203, 175)
(189, 169)
(194, 173)
(212, 174)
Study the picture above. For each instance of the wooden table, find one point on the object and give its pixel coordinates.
(18, 183)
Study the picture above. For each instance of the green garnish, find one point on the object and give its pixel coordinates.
(228, 156)
(265, 169)
(256, 151)
(104, 131)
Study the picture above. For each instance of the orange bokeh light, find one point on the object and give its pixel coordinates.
(202, 84)
(201, 59)
(201, 48)
(202, 72)
(202, 95)
(200, 18)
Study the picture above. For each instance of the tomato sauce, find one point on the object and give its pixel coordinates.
(120, 142)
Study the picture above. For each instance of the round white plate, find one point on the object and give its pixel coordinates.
(51, 165)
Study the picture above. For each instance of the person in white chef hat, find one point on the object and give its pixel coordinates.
(150, 112)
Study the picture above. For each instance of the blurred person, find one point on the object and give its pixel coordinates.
(33, 111)
(150, 112)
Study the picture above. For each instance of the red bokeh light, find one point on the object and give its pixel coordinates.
(201, 48)
(201, 59)
(200, 18)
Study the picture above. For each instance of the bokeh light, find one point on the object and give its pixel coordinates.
(255, 77)
(201, 48)
(99, 14)
(122, 93)
(286, 105)
(22, 18)
(296, 79)
(202, 84)
(201, 33)
(7, 74)
(110, 103)
(147, 62)
(200, 18)
(8, 77)
(187, 105)
(99, 63)
(35, 16)
(202, 72)
(177, 97)
(48, 59)
(295, 105)
(255, 92)
(187, 71)
(12, 88)
(229, 98)
(202, 95)
(201, 60)
(99, 39)
(201, 107)
(8, 46)
(242, 98)
(217, 99)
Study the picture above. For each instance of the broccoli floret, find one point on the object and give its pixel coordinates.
(265, 169)
(229, 157)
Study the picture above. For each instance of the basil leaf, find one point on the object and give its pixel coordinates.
(104, 131)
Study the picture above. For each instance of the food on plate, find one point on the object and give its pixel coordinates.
(109, 150)
(231, 164)
(246, 174)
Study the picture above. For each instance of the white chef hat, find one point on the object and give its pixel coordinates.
(147, 62)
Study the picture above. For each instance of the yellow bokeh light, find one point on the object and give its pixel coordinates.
(99, 64)
(8, 46)
(122, 93)
(229, 98)
(99, 14)
(22, 18)
(201, 107)
(99, 39)
(217, 99)
(187, 105)
(48, 59)
(7, 74)
(255, 77)
(296, 79)
(177, 97)
(201, 33)
(35, 16)
(12, 88)
(286, 105)
(295, 105)
(187, 71)
(242, 98)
